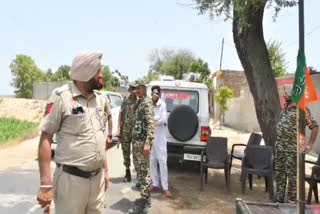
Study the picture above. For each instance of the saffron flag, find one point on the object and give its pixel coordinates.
(303, 92)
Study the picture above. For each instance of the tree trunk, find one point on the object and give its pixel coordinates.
(253, 54)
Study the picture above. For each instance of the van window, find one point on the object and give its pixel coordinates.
(174, 98)
(115, 100)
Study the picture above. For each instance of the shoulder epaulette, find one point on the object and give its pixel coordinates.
(61, 89)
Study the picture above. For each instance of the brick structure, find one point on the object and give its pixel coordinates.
(232, 79)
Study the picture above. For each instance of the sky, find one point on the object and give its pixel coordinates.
(53, 32)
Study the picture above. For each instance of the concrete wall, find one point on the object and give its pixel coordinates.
(43, 90)
(242, 116)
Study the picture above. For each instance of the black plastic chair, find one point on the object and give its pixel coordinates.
(254, 139)
(217, 157)
(313, 180)
(258, 160)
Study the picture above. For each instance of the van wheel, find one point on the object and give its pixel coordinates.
(183, 123)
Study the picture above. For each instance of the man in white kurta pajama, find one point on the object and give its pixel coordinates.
(159, 148)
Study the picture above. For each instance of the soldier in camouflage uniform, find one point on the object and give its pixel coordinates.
(286, 149)
(126, 116)
(143, 135)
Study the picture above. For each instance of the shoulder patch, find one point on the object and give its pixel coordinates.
(48, 109)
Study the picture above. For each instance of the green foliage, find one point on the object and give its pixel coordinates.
(24, 72)
(201, 67)
(176, 63)
(122, 77)
(217, 8)
(11, 129)
(171, 62)
(277, 59)
(107, 77)
(48, 75)
(62, 74)
(1, 100)
(151, 76)
(198, 66)
(222, 96)
(115, 82)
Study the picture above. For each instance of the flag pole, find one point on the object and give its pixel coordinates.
(300, 128)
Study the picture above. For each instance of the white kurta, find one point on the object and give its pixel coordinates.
(159, 147)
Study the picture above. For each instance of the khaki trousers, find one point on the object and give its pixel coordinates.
(77, 195)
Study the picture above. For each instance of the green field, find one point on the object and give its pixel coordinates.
(15, 130)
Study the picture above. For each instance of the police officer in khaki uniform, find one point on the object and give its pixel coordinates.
(77, 113)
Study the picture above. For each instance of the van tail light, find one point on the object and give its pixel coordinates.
(205, 132)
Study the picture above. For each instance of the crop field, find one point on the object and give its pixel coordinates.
(14, 130)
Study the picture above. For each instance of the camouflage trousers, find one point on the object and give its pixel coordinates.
(142, 165)
(286, 170)
(126, 149)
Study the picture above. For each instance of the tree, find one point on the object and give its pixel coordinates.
(225, 93)
(107, 78)
(277, 60)
(24, 72)
(201, 67)
(115, 82)
(247, 16)
(151, 76)
(62, 74)
(48, 75)
(171, 62)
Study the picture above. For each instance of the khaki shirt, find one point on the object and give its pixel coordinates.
(81, 137)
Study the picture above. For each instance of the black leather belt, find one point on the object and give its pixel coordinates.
(72, 170)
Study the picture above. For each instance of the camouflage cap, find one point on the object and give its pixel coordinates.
(131, 87)
(285, 89)
(139, 82)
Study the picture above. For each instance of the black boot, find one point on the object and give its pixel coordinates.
(142, 206)
(127, 177)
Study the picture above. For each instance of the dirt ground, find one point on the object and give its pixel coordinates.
(24, 109)
(185, 182)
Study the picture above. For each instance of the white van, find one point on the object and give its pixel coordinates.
(187, 117)
(115, 102)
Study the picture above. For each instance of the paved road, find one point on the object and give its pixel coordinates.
(19, 185)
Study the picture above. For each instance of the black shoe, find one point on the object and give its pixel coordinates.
(275, 200)
(127, 177)
(138, 185)
(142, 206)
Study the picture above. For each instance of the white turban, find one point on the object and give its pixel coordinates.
(85, 65)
